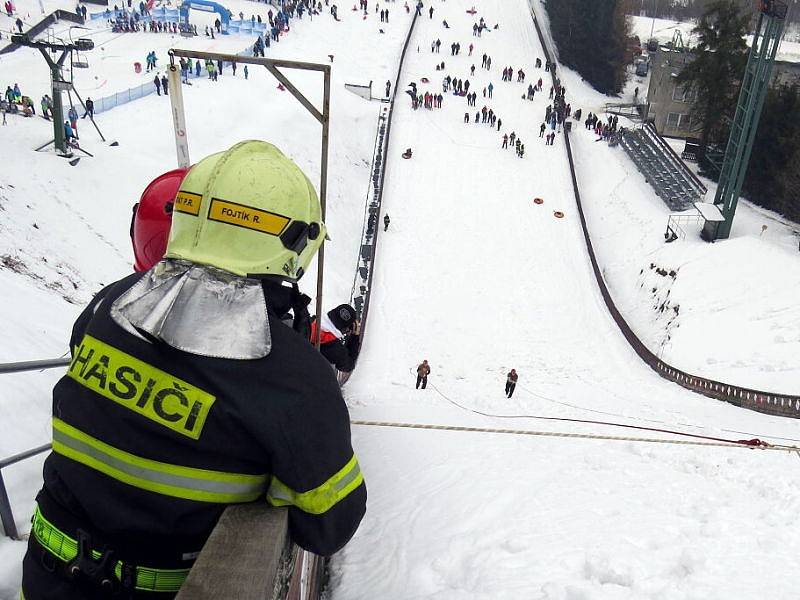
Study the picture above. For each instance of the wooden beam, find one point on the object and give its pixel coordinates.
(242, 556)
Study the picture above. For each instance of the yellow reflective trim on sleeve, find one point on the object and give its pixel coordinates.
(140, 387)
(248, 217)
(322, 498)
(202, 485)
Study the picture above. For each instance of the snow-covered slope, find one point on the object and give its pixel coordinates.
(495, 282)
(64, 230)
(473, 276)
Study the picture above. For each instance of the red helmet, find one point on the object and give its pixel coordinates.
(152, 217)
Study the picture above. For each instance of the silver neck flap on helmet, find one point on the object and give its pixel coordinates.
(198, 309)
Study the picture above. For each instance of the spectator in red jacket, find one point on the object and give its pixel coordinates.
(340, 339)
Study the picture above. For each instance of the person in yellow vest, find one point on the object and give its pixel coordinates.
(187, 392)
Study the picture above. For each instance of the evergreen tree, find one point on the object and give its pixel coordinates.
(773, 180)
(719, 61)
(591, 38)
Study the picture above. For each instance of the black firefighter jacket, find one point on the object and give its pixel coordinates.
(152, 443)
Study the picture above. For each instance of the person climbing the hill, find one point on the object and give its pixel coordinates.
(165, 84)
(505, 141)
(386, 221)
(511, 382)
(72, 115)
(161, 420)
(423, 370)
(157, 83)
(542, 129)
(340, 340)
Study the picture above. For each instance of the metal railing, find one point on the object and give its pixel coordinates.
(632, 111)
(380, 178)
(676, 225)
(667, 178)
(308, 574)
(782, 405)
(140, 91)
(279, 569)
(6, 514)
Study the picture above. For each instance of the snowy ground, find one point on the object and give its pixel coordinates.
(64, 230)
(662, 29)
(737, 319)
(729, 313)
(473, 276)
(498, 282)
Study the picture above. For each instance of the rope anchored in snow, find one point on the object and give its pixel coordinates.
(707, 440)
(722, 443)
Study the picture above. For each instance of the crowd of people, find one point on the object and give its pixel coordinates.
(14, 101)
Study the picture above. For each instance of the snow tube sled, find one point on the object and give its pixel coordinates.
(538, 201)
(407, 153)
(558, 214)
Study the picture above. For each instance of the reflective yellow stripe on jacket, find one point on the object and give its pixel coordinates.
(322, 498)
(162, 478)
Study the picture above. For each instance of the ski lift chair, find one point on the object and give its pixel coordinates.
(80, 61)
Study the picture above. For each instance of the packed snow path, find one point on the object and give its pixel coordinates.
(477, 278)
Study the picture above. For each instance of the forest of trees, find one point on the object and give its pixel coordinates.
(591, 38)
(772, 179)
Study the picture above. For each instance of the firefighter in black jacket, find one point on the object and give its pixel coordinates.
(187, 393)
(340, 337)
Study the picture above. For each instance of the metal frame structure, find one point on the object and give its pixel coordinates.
(6, 515)
(272, 65)
(755, 83)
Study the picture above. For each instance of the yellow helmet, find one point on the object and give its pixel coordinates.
(249, 210)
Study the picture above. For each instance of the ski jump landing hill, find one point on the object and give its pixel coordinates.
(389, 149)
(784, 405)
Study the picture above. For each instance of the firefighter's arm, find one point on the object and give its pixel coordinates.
(317, 473)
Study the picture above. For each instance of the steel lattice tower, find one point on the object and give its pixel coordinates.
(766, 38)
